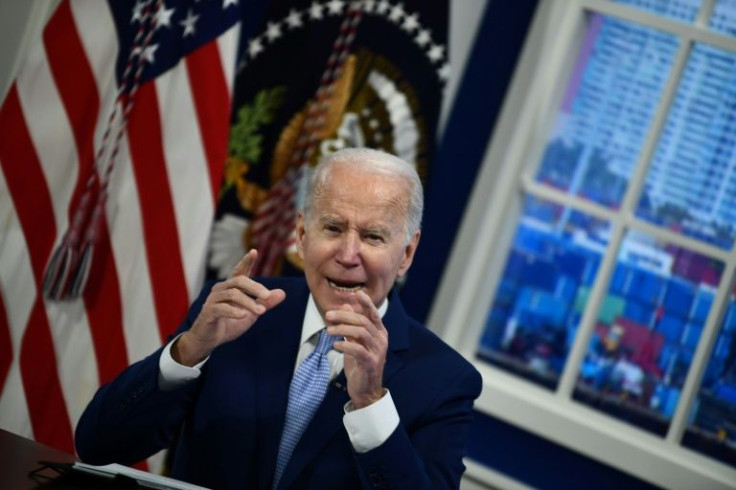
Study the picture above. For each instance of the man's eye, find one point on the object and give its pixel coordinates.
(375, 238)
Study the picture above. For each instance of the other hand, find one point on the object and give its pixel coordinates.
(231, 308)
(364, 347)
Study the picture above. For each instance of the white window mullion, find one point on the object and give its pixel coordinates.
(628, 207)
(704, 14)
(702, 355)
(656, 126)
(677, 239)
(697, 31)
(544, 192)
(569, 376)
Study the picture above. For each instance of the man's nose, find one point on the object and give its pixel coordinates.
(349, 251)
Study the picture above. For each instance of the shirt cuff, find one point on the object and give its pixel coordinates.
(371, 426)
(171, 374)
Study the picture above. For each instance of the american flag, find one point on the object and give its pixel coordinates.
(56, 135)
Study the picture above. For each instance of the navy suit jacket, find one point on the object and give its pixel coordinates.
(228, 422)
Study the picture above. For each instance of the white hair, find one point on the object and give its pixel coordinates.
(376, 161)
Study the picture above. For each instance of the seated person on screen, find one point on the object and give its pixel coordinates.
(395, 403)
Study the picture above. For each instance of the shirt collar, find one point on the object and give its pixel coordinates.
(313, 322)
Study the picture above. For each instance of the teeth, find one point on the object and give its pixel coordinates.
(344, 289)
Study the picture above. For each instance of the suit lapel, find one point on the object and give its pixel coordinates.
(328, 417)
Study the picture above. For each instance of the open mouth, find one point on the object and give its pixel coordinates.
(346, 287)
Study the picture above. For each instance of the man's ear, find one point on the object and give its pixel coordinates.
(409, 252)
(300, 230)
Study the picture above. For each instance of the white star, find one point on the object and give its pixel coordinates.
(294, 19)
(138, 12)
(369, 5)
(444, 72)
(383, 6)
(227, 3)
(315, 11)
(335, 7)
(273, 31)
(254, 47)
(188, 24)
(411, 22)
(149, 53)
(163, 16)
(424, 37)
(436, 52)
(396, 13)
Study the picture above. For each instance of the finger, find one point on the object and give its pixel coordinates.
(352, 332)
(358, 351)
(375, 323)
(225, 310)
(273, 298)
(245, 266)
(369, 309)
(252, 288)
(349, 348)
(345, 315)
(269, 298)
(238, 298)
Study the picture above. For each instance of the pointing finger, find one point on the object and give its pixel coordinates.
(369, 309)
(245, 266)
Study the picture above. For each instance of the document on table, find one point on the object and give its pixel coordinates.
(142, 478)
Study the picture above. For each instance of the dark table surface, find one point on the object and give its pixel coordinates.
(19, 456)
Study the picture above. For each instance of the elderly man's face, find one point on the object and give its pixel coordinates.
(355, 238)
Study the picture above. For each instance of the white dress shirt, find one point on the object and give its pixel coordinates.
(368, 427)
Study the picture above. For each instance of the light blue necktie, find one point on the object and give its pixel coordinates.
(307, 390)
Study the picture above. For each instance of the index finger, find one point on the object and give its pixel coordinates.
(245, 266)
(369, 309)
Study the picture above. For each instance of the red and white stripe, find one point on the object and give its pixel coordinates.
(150, 259)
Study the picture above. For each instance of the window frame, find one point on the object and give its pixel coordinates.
(507, 174)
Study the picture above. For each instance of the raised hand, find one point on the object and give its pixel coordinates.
(231, 308)
(364, 347)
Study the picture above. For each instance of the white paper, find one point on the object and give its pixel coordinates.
(143, 478)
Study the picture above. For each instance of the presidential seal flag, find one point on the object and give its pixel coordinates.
(114, 135)
(321, 75)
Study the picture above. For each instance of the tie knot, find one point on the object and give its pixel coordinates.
(325, 342)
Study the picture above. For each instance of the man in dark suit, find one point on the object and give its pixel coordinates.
(399, 403)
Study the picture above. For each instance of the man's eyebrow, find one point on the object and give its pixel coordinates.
(377, 229)
(330, 219)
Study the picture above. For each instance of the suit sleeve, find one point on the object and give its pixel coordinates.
(427, 455)
(130, 418)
